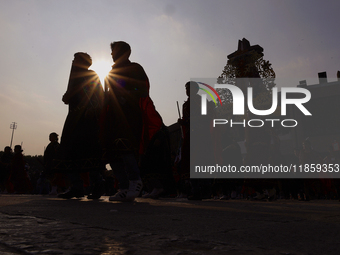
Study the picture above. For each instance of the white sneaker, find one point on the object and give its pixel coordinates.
(135, 188)
(272, 194)
(259, 196)
(54, 191)
(146, 195)
(121, 195)
(224, 197)
(154, 194)
(182, 195)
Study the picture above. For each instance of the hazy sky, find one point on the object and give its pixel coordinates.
(173, 40)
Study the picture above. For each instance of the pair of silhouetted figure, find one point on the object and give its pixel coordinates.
(114, 125)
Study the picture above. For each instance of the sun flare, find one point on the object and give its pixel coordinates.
(102, 68)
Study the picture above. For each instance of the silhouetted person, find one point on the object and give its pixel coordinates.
(50, 154)
(260, 151)
(190, 88)
(329, 186)
(18, 175)
(309, 156)
(125, 86)
(5, 162)
(194, 124)
(295, 185)
(231, 155)
(80, 137)
(156, 166)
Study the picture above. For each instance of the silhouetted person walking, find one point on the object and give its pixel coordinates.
(80, 137)
(193, 126)
(125, 86)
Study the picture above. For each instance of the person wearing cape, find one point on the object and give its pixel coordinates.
(80, 149)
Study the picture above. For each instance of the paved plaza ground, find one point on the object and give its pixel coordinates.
(35, 224)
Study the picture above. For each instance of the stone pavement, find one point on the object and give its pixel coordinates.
(34, 224)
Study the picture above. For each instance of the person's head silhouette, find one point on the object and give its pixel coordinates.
(17, 149)
(53, 137)
(82, 59)
(7, 149)
(191, 87)
(120, 51)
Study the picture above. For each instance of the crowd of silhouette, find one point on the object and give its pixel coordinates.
(119, 126)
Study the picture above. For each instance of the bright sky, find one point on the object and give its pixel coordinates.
(173, 40)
